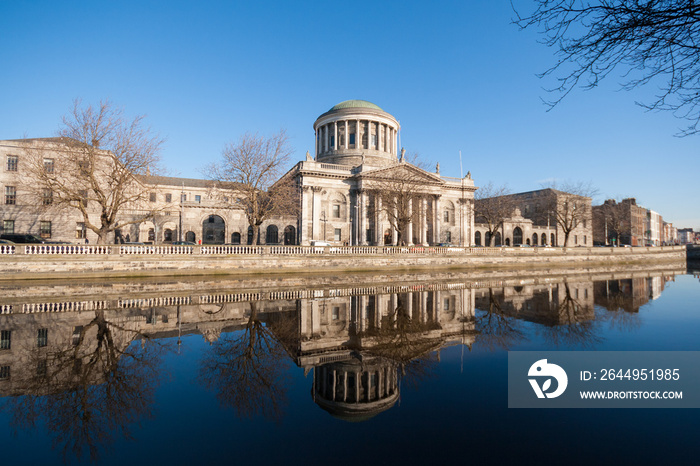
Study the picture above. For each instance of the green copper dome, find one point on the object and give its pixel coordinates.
(355, 104)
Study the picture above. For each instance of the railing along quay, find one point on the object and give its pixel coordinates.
(282, 250)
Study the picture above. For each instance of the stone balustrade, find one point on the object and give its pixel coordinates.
(227, 250)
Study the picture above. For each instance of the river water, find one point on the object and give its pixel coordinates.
(356, 370)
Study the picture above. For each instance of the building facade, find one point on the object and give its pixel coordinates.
(346, 193)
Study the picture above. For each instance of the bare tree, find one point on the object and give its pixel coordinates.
(612, 221)
(94, 166)
(247, 370)
(253, 167)
(569, 204)
(91, 390)
(647, 40)
(492, 206)
(399, 190)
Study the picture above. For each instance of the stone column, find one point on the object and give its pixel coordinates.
(358, 139)
(436, 220)
(325, 138)
(335, 135)
(379, 233)
(424, 221)
(316, 143)
(316, 213)
(347, 134)
(304, 222)
(362, 234)
(409, 228)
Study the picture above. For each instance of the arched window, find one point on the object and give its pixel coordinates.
(507, 241)
(271, 235)
(552, 242)
(151, 235)
(517, 236)
(534, 239)
(477, 238)
(168, 235)
(487, 238)
(544, 239)
(290, 235)
(497, 238)
(190, 236)
(235, 238)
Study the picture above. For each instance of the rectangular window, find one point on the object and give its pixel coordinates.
(332, 141)
(84, 197)
(585, 238)
(10, 195)
(45, 229)
(48, 165)
(336, 234)
(448, 236)
(47, 197)
(336, 313)
(4, 372)
(446, 304)
(80, 230)
(5, 339)
(168, 197)
(12, 163)
(8, 226)
(352, 139)
(152, 197)
(575, 239)
(198, 199)
(336, 211)
(42, 337)
(183, 197)
(446, 218)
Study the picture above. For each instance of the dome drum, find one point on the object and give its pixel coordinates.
(352, 134)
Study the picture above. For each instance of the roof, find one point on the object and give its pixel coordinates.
(178, 182)
(355, 104)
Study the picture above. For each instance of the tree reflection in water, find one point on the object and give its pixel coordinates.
(248, 370)
(575, 326)
(89, 391)
(496, 329)
(405, 342)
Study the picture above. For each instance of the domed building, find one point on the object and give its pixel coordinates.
(358, 188)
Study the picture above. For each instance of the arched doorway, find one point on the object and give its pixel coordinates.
(544, 239)
(213, 230)
(290, 235)
(477, 238)
(388, 237)
(236, 238)
(552, 242)
(168, 235)
(272, 235)
(507, 241)
(534, 239)
(497, 239)
(151, 235)
(517, 236)
(190, 236)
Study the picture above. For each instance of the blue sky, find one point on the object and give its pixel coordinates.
(459, 76)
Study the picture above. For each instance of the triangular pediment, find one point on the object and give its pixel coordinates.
(401, 171)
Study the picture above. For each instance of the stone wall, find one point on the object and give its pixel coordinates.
(62, 266)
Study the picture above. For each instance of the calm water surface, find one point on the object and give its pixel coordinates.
(386, 372)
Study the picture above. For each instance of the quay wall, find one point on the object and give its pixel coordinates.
(76, 261)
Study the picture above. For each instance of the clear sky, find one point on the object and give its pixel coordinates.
(459, 76)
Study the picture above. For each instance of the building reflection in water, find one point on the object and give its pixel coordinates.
(88, 368)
